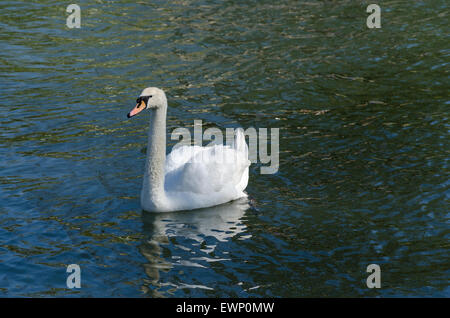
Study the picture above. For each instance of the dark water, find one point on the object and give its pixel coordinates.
(363, 118)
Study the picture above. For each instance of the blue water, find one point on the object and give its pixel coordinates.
(363, 176)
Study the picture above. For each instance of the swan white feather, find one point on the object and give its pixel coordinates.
(190, 177)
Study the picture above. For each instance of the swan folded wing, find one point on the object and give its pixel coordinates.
(206, 169)
(179, 156)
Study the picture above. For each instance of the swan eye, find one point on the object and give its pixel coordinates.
(144, 99)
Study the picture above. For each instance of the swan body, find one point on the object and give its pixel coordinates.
(190, 177)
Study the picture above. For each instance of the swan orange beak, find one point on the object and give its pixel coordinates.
(137, 109)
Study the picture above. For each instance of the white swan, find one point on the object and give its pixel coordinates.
(191, 177)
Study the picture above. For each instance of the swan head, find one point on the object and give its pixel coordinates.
(150, 98)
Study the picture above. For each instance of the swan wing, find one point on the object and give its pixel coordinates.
(204, 170)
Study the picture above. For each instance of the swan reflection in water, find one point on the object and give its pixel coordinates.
(201, 229)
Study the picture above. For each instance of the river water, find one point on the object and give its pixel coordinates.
(363, 135)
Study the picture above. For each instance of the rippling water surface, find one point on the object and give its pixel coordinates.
(363, 118)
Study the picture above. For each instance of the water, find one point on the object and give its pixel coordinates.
(363, 118)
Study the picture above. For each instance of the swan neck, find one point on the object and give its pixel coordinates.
(156, 155)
